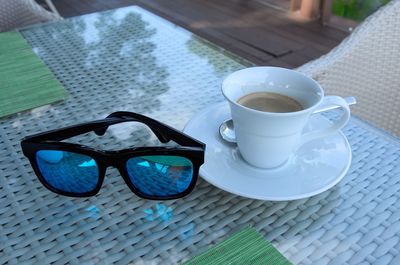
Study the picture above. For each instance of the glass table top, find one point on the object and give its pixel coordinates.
(134, 60)
(130, 59)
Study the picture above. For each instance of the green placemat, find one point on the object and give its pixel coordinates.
(25, 81)
(244, 247)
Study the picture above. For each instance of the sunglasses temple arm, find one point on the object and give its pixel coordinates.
(101, 131)
(99, 127)
(163, 132)
(71, 131)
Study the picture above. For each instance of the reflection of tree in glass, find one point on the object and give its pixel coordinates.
(124, 48)
(104, 55)
(107, 63)
(214, 57)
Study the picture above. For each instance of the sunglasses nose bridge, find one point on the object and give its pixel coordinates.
(113, 159)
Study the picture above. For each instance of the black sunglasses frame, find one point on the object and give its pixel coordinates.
(190, 148)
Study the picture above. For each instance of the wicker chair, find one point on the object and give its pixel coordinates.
(367, 65)
(20, 13)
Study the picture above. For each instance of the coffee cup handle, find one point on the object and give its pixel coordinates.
(337, 125)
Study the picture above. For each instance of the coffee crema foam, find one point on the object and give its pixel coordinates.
(270, 102)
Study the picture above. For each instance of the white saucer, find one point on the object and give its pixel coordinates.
(314, 168)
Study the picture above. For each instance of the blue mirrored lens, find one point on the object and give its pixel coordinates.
(160, 176)
(67, 171)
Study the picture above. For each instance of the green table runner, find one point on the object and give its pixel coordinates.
(25, 81)
(244, 247)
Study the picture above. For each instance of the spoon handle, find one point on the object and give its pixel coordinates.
(349, 100)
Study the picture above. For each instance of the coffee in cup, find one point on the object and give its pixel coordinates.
(270, 102)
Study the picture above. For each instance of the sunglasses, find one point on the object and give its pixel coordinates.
(156, 173)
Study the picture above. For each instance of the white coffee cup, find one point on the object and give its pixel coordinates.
(267, 139)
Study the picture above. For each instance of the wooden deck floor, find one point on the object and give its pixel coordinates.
(249, 28)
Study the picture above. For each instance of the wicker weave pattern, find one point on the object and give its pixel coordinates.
(367, 65)
(147, 65)
(20, 13)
